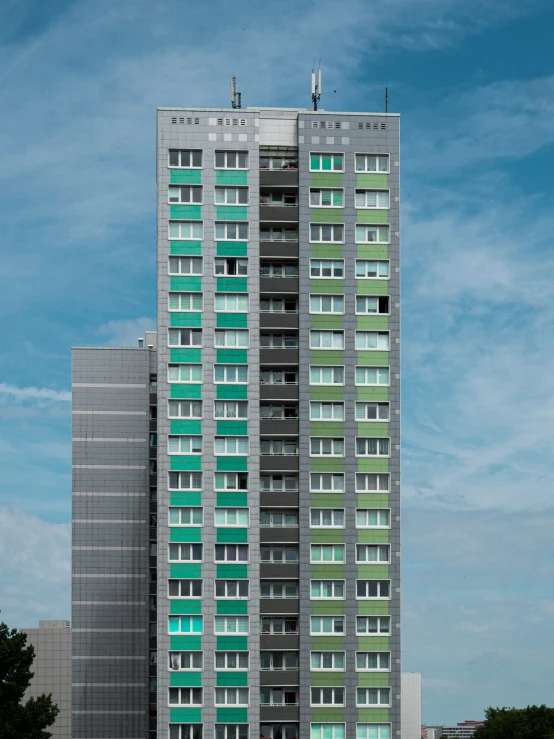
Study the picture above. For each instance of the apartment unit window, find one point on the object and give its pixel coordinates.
(326, 625)
(280, 518)
(373, 731)
(278, 483)
(372, 376)
(185, 731)
(278, 377)
(372, 411)
(324, 446)
(327, 553)
(372, 199)
(327, 590)
(185, 373)
(327, 340)
(275, 233)
(185, 158)
(230, 267)
(368, 340)
(184, 444)
(186, 660)
(372, 483)
(278, 305)
(327, 269)
(326, 482)
(277, 554)
(370, 447)
(231, 696)
(326, 375)
(185, 230)
(231, 517)
(231, 589)
(231, 160)
(185, 266)
(327, 696)
(278, 269)
(278, 341)
(232, 660)
(185, 302)
(185, 194)
(326, 162)
(333, 232)
(373, 625)
(373, 661)
(185, 409)
(231, 196)
(231, 481)
(279, 661)
(326, 198)
(277, 590)
(231, 338)
(231, 408)
(333, 661)
(279, 447)
(184, 588)
(322, 411)
(185, 336)
(327, 731)
(372, 553)
(186, 516)
(278, 410)
(231, 731)
(231, 624)
(372, 163)
(278, 162)
(278, 696)
(185, 481)
(373, 518)
(185, 624)
(373, 697)
(185, 696)
(377, 589)
(230, 445)
(376, 269)
(185, 552)
(375, 305)
(231, 303)
(231, 231)
(367, 234)
(231, 374)
(327, 304)
(327, 518)
(277, 625)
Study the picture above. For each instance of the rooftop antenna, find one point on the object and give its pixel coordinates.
(236, 97)
(387, 99)
(316, 85)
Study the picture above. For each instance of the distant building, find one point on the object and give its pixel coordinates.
(411, 705)
(52, 668)
(462, 730)
(431, 732)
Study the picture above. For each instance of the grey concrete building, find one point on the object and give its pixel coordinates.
(411, 705)
(52, 670)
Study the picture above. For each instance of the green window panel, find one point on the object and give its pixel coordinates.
(185, 320)
(231, 248)
(373, 429)
(327, 500)
(232, 716)
(233, 500)
(182, 607)
(186, 212)
(326, 179)
(232, 643)
(369, 180)
(232, 320)
(327, 608)
(185, 534)
(372, 358)
(373, 680)
(178, 463)
(232, 464)
(231, 571)
(230, 536)
(187, 356)
(320, 464)
(185, 176)
(185, 427)
(373, 465)
(373, 500)
(327, 714)
(373, 536)
(187, 284)
(188, 643)
(185, 715)
(372, 251)
(373, 715)
(232, 679)
(373, 608)
(188, 248)
(326, 251)
(327, 393)
(322, 428)
(327, 572)
(232, 284)
(232, 392)
(231, 213)
(372, 216)
(327, 642)
(187, 499)
(375, 323)
(232, 428)
(326, 322)
(372, 287)
(223, 177)
(177, 390)
(373, 393)
(372, 644)
(232, 607)
(327, 536)
(192, 570)
(185, 680)
(329, 356)
(232, 356)
(334, 287)
(326, 215)
(327, 678)
(370, 572)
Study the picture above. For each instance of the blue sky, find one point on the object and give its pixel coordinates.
(474, 82)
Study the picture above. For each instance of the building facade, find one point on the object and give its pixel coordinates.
(411, 706)
(462, 730)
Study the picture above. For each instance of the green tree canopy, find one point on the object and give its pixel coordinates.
(21, 720)
(533, 722)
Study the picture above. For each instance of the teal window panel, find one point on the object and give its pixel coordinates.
(232, 320)
(185, 680)
(191, 283)
(326, 215)
(230, 607)
(185, 534)
(230, 536)
(187, 356)
(372, 359)
(180, 569)
(232, 284)
(185, 607)
(185, 427)
(177, 463)
(232, 356)
(185, 320)
(232, 392)
(372, 180)
(237, 500)
(185, 176)
(238, 428)
(191, 643)
(232, 679)
(178, 390)
(238, 571)
(223, 177)
(231, 212)
(232, 643)
(185, 715)
(232, 464)
(187, 212)
(374, 215)
(192, 499)
(232, 716)
(231, 248)
(185, 248)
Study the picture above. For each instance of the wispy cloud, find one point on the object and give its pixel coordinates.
(34, 393)
(125, 332)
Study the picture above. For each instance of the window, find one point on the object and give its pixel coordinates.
(326, 625)
(275, 233)
(278, 696)
(231, 160)
(333, 232)
(278, 377)
(326, 198)
(185, 731)
(282, 199)
(279, 518)
(327, 661)
(185, 552)
(326, 553)
(231, 731)
(327, 696)
(277, 625)
(185, 194)
(278, 410)
(232, 589)
(231, 374)
(279, 660)
(230, 267)
(231, 625)
(185, 301)
(372, 376)
(372, 411)
(231, 196)
(231, 231)
(378, 589)
(184, 588)
(184, 445)
(185, 409)
(373, 731)
(372, 483)
(327, 518)
(278, 305)
(326, 162)
(184, 373)
(185, 696)
(231, 303)
(185, 624)
(231, 696)
(327, 590)
(277, 554)
(327, 482)
(186, 516)
(372, 162)
(231, 481)
(278, 162)
(372, 553)
(278, 269)
(324, 446)
(185, 230)
(185, 158)
(377, 305)
(373, 518)
(372, 340)
(373, 625)
(185, 266)
(231, 516)
(373, 269)
(185, 481)
(278, 483)
(327, 304)
(185, 336)
(186, 660)
(327, 269)
(372, 661)
(327, 340)
(232, 660)
(372, 234)
(231, 338)
(373, 696)
(326, 375)
(370, 447)
(275, 589)
(372, 199)
(231, 409)
(279, 447)
(278, 341)
(230, 445)
(320, 411)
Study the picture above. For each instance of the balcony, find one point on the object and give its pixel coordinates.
(279, 535)
(279, 356)
(271, 499)
(279, 641)
(278, 320)
(279, 426)
(280, 677)
(278, 177)
(280, 285)
(279, 713)
(278, 213)
(279, 606)
(279, 463)
(279, 249)
(279, 391)
(279, 569)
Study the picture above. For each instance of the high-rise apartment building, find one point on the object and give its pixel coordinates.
(410, 696)
(274, 603)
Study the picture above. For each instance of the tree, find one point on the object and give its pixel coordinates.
(21, 720)
(533, 722)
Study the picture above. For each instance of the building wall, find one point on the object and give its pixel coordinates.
(411, 705)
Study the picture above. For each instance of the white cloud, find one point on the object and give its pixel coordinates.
(34, 393)
(125, 332)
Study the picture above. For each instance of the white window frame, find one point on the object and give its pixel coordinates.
(333, 561)
(231, 669)
(379, 724)
(328, 597)
(225, 274)
(331, 277)
(186, 472)
(173, 166)
(326, 313)
(227, 332)
(185, 544)
(191, 225)
(231, 310)
(180, 401)
(180, 366)
(327, 527)
(227, 618)
(378, 632)
(225, 188)
(232, 597)
(372, 225)
(326, 241)
(284, 584)
(185, 597)
(190, 724)
(335, 477)
(370, 562)
(366, 511)
(372, 669)
(367, 313)
(188, 525)
(232, 525)
(331, 190)
(234, 489)
(232, 418)
(385, 475)
(183, 688)
(373, 438)
(371, 189)
(233, 151)
(185, 274)
(366, 277)
(371, 348)
(328, 669)
(226, 381)
(327, 633)
(365, 403)
(231, 454)
(313, 331)
(181, 294)
(328, 402)
(327, 154)
(328, 687)
(191, 187)
(184, 669)
(226, 224)
(374, 579)
(187, 436)
(370, 384)
(374, 705)
(370, 154)
(327, 366)
(235, 688)
(190, 617)
(235, 734)
(185, 328)
(327, 438)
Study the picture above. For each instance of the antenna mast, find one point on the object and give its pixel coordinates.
(236, 97)
(387, 99)
(316, 85)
